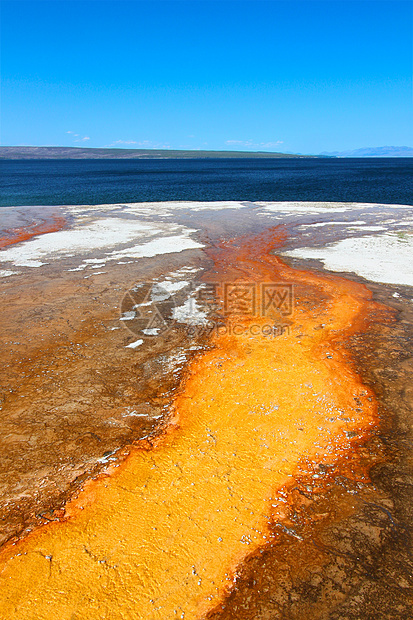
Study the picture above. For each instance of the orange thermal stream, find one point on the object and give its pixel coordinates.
(16, 235)
(162, 535)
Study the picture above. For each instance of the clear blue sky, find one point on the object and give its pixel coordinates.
(306, 77)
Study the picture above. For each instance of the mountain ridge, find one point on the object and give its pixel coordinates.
(378, 151)
(73, 152)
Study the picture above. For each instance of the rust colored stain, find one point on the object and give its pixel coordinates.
(161, 536)
(23, 233)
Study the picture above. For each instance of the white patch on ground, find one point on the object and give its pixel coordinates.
(304, 208)
(99, 234)
(169, 208)
(80, 268)
(176, 280)
(187, 269)
(164, 209)
(174, 362)
(172, 287)
(151, 331)
(135, 344)
(332, 206)
(368, 228)
(163, 245)
(91, 234)
(356, 222)
(189, 312)
(201, 205)
(384, 258)
(112, 454)
(132, 412)
(5, 273)
(183, 271)
(158, 293)
(128, 316)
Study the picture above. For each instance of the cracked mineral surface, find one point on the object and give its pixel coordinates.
(250, 461)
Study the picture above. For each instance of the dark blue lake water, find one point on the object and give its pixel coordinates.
(47, 182)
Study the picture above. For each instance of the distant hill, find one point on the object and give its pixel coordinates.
(70, 152)
(379, 151)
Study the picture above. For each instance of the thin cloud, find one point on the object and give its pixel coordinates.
(148, 144)
(144, 144)
(254, 145)
(76, 135)
(125, 142)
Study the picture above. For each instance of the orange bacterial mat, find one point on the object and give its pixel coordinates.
(50, 223)
(161, 536)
